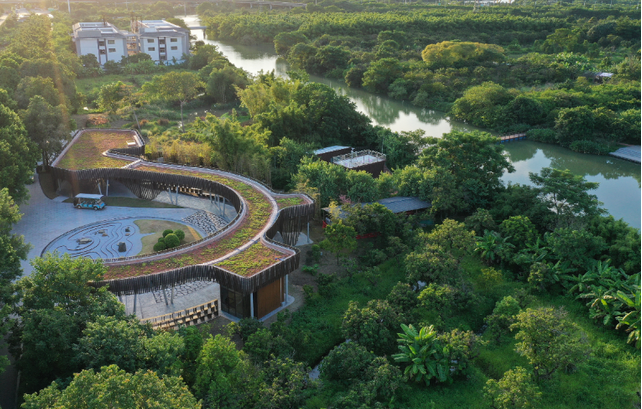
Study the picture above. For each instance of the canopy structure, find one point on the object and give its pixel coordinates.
(88, 196)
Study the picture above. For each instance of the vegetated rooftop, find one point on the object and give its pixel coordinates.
(87, 151)
(259, 208)
(253, 260)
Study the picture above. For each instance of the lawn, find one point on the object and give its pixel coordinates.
(609, 378)
(86, 152)
(156, 227)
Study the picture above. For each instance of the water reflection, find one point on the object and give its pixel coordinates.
(619, 180)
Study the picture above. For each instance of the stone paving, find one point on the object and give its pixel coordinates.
(44, 220)
(180, 291)
(631, 153)
(206, 221)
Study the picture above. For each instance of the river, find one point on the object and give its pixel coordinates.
(619, 180)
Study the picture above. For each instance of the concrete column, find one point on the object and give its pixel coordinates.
(135, 294)
(165, 296)
(99, 189)
(177, 195)
(308, 232)
(169, 193)
(252, 305)
(173, 286)
(107, 188)
(287, 291)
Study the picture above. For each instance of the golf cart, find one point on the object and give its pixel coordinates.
(87, 201)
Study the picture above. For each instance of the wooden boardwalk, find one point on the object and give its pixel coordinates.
(512, 138)
(630, 153)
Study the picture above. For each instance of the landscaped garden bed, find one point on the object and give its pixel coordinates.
(157, 227)
(86, 151)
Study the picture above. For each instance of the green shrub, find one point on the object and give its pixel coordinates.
(542, 135)
(592, 147)
(171, 241)
(161, 240)
(312, 270)
(160, 246)
(168, 231)
(315, 253)
(346, 363)
(180, 234)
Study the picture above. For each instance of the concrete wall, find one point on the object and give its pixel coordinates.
(114, 52)
(174, 49)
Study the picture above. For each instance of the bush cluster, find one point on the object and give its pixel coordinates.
(171, 238)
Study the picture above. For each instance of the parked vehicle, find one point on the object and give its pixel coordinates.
(88, 201)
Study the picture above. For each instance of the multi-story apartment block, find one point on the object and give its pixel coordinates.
(163, 41)
(101, 39)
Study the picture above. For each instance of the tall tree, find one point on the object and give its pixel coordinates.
(474, 159)
(515, 390)
(18, 155)
(174, 86)
(47, 126)
(113, 387)
(12, 250)
(56, 305)
(567, 195)
(549, 340)
(339, 239)
(241, 149)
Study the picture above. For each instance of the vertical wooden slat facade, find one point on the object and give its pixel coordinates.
(147, 185)
(270, 297)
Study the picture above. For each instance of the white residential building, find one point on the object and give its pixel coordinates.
(163, 41)
(101, 39)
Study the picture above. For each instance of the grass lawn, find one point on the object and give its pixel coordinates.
(157, 227)
(86, 152)
(609, 378)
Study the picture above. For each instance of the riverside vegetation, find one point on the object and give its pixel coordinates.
(515, 297)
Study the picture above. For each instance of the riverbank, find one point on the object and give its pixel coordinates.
(619, 180)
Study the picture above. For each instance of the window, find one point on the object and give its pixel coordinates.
(150, 40)
(173, 40)
(174, 48)
(102, 51)
(111, 41)
(151, 49)
(112, 50)
(101, 43)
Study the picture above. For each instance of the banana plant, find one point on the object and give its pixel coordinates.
(631, 320)
(423, 354)
(492, 246)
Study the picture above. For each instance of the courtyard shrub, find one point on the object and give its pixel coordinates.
(168, 231)
(171, 240)
(180, 234)
(160, 246)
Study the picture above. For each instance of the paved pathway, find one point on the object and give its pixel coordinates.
(44, 219)
(630, 153)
